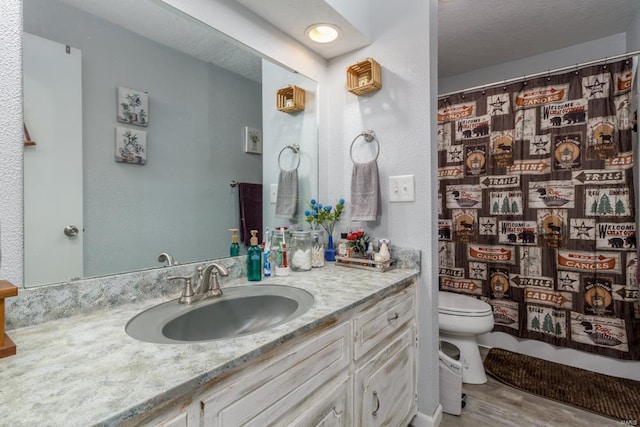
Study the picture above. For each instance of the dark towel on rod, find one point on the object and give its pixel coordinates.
(250, 196)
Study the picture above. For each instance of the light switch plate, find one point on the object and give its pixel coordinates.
(273, 194)
(401, 188)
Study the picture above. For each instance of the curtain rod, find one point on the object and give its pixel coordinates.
(541, 74)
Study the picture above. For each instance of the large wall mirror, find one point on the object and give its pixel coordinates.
(105, 83)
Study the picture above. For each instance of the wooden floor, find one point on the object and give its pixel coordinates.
(495, 404)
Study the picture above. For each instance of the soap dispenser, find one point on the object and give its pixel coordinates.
(254, 259)
(234, 250)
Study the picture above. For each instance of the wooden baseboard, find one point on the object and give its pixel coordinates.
(8, 349)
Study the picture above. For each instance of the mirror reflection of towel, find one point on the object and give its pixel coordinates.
(287, 199)
(365, 191)
(250, 196)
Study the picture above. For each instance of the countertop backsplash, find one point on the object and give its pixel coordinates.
(45, 303)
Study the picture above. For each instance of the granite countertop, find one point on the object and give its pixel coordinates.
(85, 370)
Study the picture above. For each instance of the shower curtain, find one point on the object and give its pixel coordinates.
(537, 208)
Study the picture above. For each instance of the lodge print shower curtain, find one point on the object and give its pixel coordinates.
(536, 207)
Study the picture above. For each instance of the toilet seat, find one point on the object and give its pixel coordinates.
(462, 305)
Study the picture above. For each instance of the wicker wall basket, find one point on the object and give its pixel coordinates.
(290, 99)
(364, 77)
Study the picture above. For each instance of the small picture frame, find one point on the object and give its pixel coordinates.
(133, 107)
(252, 140)
(131, 146)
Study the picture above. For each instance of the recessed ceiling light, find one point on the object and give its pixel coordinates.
(322, 33)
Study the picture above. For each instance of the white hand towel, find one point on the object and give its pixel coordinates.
(365, 191)
(287, 199)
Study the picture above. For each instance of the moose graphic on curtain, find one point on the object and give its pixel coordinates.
(536, 207)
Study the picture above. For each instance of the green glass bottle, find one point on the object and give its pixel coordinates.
(254, 259)
(234, 250)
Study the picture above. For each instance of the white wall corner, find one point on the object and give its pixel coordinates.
(356, 12)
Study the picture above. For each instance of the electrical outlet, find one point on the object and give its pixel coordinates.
(401, 188)
(273, 194)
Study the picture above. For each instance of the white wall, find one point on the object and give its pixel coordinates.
(633, 33)
(584, 52)
(401, 114)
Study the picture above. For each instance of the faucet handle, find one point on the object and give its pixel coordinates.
(187, 291)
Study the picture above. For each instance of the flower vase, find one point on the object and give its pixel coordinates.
(330, 252)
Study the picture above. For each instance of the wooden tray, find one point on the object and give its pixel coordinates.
(365, 264)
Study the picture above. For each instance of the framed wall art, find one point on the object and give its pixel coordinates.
(252, 140)
(133, 106)
(131, 146)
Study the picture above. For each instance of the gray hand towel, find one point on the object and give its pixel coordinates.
(287, 200)
(365, 191)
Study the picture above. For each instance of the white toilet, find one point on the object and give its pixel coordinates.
(462, 319)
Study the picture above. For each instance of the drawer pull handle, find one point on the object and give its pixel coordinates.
(392, 318)
(375, 396)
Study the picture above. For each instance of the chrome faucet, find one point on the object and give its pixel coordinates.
(207, 285)
(165, 256)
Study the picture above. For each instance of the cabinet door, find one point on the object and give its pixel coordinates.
(264, 393)
(328, 407)
(386, 384)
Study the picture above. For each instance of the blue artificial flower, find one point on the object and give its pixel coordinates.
(313, 201)
(307, 213)
(341, 202)
(319, 205)
(327, 208)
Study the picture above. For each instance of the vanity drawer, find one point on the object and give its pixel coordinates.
(266, 391)
(376, 324)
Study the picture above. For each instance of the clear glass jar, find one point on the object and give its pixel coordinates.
(280, 235)
(318, 245)
(300, 250)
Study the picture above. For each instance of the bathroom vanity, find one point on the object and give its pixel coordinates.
(349, 360)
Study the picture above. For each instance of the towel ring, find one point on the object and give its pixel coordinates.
(296, 149)
(369, 136)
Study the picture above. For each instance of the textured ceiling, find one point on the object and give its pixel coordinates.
(474, 34)
(171, 28)
(294, 16)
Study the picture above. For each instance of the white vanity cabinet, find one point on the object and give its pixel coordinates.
(385, 389)
(357, 371)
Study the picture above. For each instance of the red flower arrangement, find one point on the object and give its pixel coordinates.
(358, 241)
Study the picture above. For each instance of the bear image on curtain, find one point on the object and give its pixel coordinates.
(537, 213)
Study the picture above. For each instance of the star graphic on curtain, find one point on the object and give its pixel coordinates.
(540, 146)
(496, 106)
(455, 154)
(487, 227)
(477, 271)
(583, 229)
(596, 87)
(567, 282)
